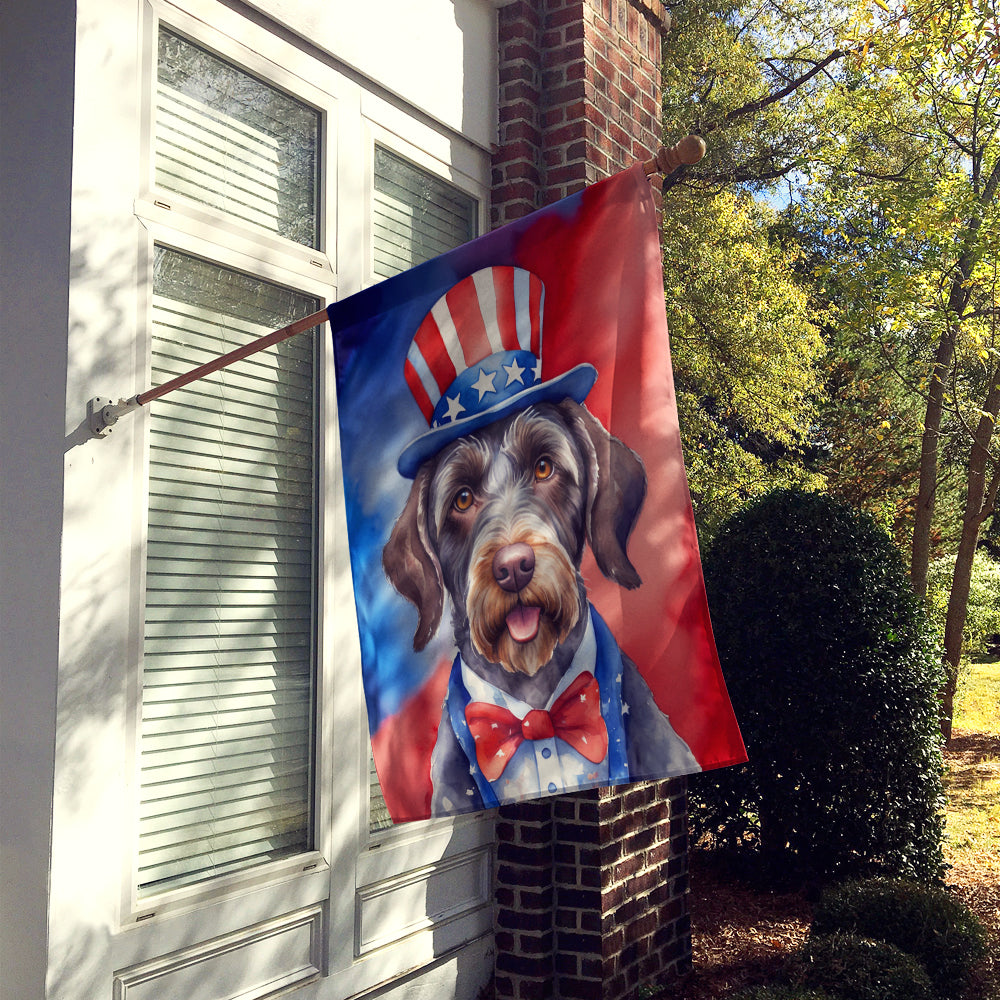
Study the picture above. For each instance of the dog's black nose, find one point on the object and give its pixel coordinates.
(514, 566)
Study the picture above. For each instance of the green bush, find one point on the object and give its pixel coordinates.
(833, 672)
(925, 922)
(856, 968)
(982, 620)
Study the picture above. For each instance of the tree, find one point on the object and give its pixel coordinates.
(911, 190)
(747, 358)
(878, 122)
(746, 75)
(747, 352)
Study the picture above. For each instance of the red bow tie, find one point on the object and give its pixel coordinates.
(575, 718)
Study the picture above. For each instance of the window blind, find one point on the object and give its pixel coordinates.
(228, 653)
(228, 140)
(416, 216)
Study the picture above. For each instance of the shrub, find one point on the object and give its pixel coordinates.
(856, 968)
(926, 922)
(982, 619)
(833, 673)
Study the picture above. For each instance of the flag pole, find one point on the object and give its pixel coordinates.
(103, 414)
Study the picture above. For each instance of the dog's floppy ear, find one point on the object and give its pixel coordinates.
(410, 563)
(615, 493)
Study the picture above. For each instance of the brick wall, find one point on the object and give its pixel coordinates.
(579, 96)
(591, 889)
(591, 893)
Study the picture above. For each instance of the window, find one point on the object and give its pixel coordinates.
(229, 648)
(227, 140)
(228, 680)
(210, 830)
(416, 216)
(252, 804)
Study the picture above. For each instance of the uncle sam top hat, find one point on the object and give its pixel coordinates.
(477, 357)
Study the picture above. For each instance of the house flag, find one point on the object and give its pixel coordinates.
(527, 582)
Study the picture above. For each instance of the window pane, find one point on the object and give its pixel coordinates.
(417, 216)
(228, 140)
(228, 662)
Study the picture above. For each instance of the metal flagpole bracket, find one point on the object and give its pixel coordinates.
(103, 413)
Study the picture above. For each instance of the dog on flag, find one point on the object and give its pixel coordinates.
(512, 478)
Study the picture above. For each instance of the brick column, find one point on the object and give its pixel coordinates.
(591, 888)
(579, 96)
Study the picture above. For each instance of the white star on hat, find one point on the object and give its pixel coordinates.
(514, 372)
(484, 383)
(454, 407)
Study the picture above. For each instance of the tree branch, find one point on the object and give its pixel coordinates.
(754, 106)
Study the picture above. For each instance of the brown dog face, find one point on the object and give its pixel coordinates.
(499, 518)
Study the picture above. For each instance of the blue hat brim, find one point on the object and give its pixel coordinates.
(574, 384)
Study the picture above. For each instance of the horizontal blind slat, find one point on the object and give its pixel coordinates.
(228, 646)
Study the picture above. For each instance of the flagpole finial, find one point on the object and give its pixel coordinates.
(688, 151)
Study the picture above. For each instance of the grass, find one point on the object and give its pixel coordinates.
(973, 783)
(978, 698)
(972, 848)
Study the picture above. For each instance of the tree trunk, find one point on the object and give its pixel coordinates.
(920, 553)
(979, 503)
(958, 299)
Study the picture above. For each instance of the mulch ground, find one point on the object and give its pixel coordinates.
(742, 934)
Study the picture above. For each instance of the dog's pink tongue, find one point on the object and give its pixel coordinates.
(522, 623)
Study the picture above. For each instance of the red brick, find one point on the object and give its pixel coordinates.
(563, 54)
(581, 989)
(567, 175)
(570, 132)
(642, 882)
(567, 964)
(536, 944)
(535, 989)
(531, 899)
(570, 15)
(518, 50)
(538, 966)
(519, 112)
(524, 920)
(598, 97)
(521, 93)
(519, 876)
(515, 130)
(641, 927)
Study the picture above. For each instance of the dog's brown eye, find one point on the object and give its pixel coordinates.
(544, 468)
(463, 499)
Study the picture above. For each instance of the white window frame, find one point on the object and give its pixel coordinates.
(351, 874)
(177, 223)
